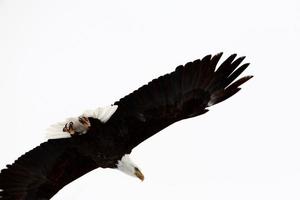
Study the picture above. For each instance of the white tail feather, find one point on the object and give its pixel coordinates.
(55, 131)
(103, 114)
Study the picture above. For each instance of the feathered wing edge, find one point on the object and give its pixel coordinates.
(198, 76)
(40, 173)
(223, 85)
(203, 76)
(186, 92)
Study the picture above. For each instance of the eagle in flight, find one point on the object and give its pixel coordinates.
(104, 137)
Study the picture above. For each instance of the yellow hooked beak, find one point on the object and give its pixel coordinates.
(139, 174)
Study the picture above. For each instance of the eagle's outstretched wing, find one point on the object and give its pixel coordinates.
(43, 171)
(184, 93)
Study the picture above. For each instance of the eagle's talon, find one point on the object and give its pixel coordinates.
(69, 128)
(78, 126)
(85, 122)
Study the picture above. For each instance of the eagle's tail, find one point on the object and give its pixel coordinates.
(221, 84)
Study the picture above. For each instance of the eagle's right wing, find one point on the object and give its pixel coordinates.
(184, 93)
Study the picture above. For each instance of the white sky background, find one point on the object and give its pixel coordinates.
(60, 57)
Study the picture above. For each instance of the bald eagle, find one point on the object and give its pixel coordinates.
(104, 137)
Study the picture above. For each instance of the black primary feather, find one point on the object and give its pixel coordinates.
(42, 172)
(186, 92)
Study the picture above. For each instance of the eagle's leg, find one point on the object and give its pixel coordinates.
(77, 126)
(85, 122)
(69, 128)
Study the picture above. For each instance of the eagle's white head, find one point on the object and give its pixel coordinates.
(128, 167)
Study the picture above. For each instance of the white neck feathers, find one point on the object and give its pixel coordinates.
(126, 165)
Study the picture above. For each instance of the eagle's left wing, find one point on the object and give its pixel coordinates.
(43, 171)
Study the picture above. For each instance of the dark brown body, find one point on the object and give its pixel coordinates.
(186, 92)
